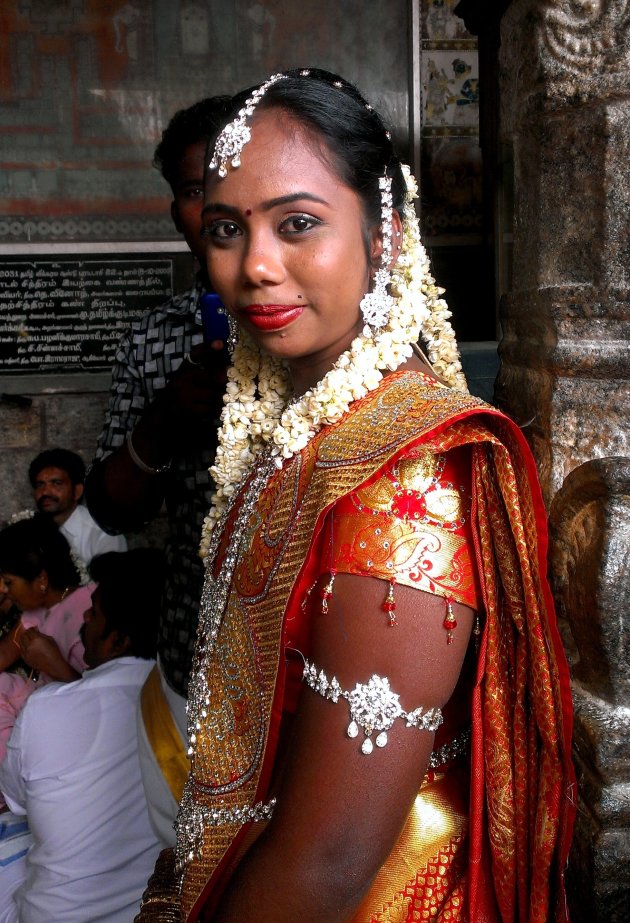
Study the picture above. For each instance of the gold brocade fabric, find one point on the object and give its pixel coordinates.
(410, 525)
(425, 875)
(520, 770)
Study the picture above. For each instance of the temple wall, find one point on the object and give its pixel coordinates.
(63, 412)
(565, 110)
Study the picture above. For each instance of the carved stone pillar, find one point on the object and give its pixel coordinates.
(565, 107)
(590, 560)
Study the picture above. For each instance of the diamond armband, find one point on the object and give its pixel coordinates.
(373, 707)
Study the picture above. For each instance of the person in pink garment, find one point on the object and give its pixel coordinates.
(37, 573)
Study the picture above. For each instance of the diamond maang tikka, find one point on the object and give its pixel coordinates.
(233, 138)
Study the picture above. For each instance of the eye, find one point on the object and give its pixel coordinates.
(193, 192)
(298, 224)
(220, 230)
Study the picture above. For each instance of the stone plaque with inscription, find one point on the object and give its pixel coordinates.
(61, 315)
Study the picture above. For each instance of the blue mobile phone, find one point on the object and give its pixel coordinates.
(213, 318)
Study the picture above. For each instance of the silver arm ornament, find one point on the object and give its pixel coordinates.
(373, 706)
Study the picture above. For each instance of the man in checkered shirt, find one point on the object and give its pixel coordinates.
(159, 439)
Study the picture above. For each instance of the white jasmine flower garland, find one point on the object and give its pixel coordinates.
(257, 409)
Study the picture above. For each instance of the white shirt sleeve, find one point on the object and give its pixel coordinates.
(103, 542)
(12, 783)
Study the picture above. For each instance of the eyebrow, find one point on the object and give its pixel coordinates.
(268, 205)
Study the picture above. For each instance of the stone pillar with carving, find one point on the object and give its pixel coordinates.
(565, 107)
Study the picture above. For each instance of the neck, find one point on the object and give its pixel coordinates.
(55, 595)
(60, 518)
(308, 371)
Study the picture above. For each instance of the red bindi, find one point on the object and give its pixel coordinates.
(248, 212)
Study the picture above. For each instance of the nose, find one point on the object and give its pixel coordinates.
(262, 262)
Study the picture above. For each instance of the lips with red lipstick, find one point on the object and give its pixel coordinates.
(271, 316)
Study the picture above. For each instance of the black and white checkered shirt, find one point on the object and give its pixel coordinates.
(148, 355)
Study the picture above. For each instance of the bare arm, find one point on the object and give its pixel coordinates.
(9, 649)
(339, 812)
(120, 494)
(42, 653)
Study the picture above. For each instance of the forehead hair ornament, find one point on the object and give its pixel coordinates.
(233, 138)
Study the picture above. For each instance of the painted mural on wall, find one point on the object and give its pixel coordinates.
(86, 87)
(451, 158)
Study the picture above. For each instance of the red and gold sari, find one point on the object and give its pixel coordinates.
(488, 836)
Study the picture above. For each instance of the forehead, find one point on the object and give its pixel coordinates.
(192, 163)
(53, 474)
(282, 156)
(96, 601)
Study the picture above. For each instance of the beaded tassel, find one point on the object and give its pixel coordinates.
(477, 632)
(327, 591)
(389, 604)
(307, 596)
(450, 622)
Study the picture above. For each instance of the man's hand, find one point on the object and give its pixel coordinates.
(192, 400)
(122, 496)
(42, 653)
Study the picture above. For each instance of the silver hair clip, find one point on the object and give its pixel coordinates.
(233, 138)
(373, 707)
(376, 305)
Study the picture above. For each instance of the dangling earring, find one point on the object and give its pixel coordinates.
(376, 305)
(233, 334)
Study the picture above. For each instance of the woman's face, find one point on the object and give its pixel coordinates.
(23, 593)
(286, 247)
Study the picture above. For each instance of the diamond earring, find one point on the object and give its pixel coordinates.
(376, 305)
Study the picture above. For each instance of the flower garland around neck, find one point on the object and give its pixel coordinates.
(258, 412)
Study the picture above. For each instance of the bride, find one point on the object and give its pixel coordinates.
(378, 716)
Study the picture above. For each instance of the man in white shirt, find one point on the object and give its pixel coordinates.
(57, 477)
(72, 764)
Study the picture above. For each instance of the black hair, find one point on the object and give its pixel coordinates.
(32, 545)
(130, 586)
(198, 122)
(354, 135)
(68, 461)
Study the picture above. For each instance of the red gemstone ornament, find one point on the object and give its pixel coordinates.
(390, 604)
(450, 622)
(327, 591)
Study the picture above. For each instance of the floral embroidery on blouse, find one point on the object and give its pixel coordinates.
(411, 525)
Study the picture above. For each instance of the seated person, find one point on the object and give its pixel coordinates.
(57, 477)
(9, 617)
(72, 764)
(39, 577)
